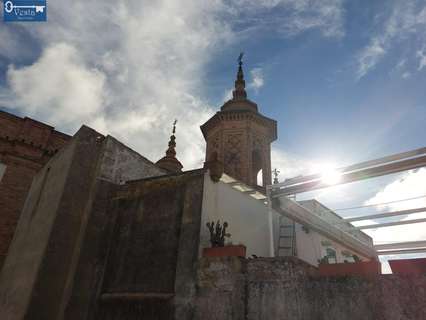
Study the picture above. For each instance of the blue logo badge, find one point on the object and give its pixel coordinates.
(24, 10)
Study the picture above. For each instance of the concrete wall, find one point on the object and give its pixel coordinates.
(246, 216)
(151, 268)
(57, 257)
(288, 289)
(121, 164)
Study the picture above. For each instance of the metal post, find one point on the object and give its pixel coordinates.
(271, 225)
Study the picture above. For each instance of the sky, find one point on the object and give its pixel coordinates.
(344, 79)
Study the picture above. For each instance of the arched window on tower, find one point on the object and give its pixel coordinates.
(2, 170)
(260, 178)
(257, 167)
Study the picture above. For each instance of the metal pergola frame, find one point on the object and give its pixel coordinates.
(401, 247)
(386, 214)
(278, 201)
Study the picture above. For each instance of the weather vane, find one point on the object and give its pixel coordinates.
(174, 126)
(240, 58)
(276, 173)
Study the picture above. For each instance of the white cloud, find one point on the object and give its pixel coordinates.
(130, 76)
(369, 57)
(406, 75)
(409, 185)
(257, 79)
(401, 64)
(292, 17)
(128, 68)
(405, 20)
(58, 87)
(227, 95)
(421, 54)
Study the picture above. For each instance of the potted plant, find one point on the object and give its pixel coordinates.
(217, 239)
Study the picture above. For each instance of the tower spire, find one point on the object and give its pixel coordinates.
(239, 92)
(169, 162)
(239, 138)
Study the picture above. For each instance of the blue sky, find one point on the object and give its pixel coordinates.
(344, 79)
(312, 86)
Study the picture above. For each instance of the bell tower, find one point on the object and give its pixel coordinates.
(240, 137)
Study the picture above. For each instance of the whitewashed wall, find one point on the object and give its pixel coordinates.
(311, 246)
(248, 224)
(246, 216)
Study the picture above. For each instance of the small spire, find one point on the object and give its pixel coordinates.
(169, 162)
(240, 93)
(172, 143)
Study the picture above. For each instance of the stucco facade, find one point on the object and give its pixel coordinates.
(247, 214)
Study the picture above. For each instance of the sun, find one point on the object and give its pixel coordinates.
(329, 175)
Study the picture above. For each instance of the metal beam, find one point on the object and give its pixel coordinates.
(353, 176)
(389, 252)
(401, 245)
(389, 224)
(385, 215)
(302, 215)
(358, 166)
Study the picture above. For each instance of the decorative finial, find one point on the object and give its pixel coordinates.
(174, 126)
(240, 93)
(276, 173)
(240, 58)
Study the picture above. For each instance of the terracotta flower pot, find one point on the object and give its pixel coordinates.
(362, 268)
(226, 251)
(408, 266)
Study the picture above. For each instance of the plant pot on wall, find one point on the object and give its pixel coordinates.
(415, 266)
(361, 268)
(226, 251)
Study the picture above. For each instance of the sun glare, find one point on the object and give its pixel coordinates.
(329, 175)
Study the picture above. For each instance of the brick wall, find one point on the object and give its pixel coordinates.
(25, 146)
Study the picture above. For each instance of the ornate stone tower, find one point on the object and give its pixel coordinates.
(240, 137)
